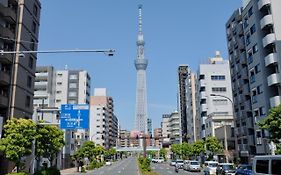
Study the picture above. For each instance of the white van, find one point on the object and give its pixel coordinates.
(270, 165)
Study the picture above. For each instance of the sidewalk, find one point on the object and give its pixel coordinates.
(68, 171)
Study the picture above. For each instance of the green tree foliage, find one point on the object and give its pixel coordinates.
(49, 141)
(109, 153)
(163, 153)
(213, 145)
(18, 139)
(272, 123)
(198, 147)
(186, 150)
(88, 150)
(176, 149)
(151, 153)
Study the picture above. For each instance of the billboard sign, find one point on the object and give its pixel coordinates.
(74, 116)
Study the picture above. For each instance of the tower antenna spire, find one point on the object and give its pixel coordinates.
(140, 18)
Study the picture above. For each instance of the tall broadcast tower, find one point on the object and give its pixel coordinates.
(141, 64)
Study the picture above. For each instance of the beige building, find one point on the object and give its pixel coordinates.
(158, 137)
(19, 28)
(124, 138)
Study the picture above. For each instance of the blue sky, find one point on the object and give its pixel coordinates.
(176, 32)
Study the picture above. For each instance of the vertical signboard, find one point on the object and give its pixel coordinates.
(74, 116)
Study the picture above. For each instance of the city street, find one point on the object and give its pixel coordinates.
(126, 166)
(166, 169)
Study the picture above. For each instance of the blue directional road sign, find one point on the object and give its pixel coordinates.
(74, 116)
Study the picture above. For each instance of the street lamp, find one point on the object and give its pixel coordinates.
(225, 134)
(108, 52)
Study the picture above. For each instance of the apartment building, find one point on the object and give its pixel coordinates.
(149, 126)
(72, 87)
(257, 27)
(175, 128)
(214, 92)
(183, 75)
(103, 122)
(158, 137)
(124, 138)
(17, 32)
(165, 130)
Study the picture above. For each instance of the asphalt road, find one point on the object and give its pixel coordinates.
(126, 166)
(166, 169)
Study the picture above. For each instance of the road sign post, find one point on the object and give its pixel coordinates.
(74, 116)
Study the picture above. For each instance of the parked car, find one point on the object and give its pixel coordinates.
(192, 165)
(179, 163)
(158, 160)
(108, 163)
(210, 168)
(173, 162)
(244, 169)
(269, 165)
(225, 169)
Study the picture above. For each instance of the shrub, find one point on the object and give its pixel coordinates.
(20, 173)
(48, 171)
(144, 164)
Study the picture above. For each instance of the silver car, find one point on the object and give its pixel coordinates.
(193, 165)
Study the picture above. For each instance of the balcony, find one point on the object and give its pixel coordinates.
(6, 32)
(3, 101)
(4, 78)
(275, 101)
(266, 20)
(270, 59)
(8, 13)
(268, 39)
(262, 3)
(273, 79)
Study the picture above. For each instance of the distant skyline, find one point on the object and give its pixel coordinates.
(186, 32)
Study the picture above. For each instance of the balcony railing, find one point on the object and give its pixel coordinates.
(270, 59)
(268, 39)
(266, 20)
(262, 3)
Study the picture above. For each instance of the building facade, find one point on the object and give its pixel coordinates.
(183, 77)
(259, 26)
(149, 126)
(103, 122)
(124, 138)
(158, 137)
(165, 130)
(214, 91)
(19, 29)
(174, 128)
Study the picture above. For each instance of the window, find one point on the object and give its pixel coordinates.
(219, 102)
(262, 111)
(59, 83)
(73, 85)
(250, 56)
(275, 166)
(29, 81)
(257, 68)
(219, 89)
(72, 101)
(253, 29)
(203, 88)
(252, 77)
(58, 100)
(262, 166)
(73, 77)
(248, 38)
(27, 101)
(259, 89)
(202, 77)
(58, 92)
(250, 12)
(72, 94)
(218, 77)
(30, 62)
(246, 22)
(255, 48)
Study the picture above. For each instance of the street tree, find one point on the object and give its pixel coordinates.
(98, 151)
(49, 141)
(177, 150)
(198, 147)
(17, 140)
(272, 123)
(186, 150)
(163, 153)
(88, 149)
(213, 146)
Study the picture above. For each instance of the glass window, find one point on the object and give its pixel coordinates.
(219, 101)
(262, 166)
(30, 62)
(219, 89)
(259, 89)
(257, 68)
(253, 29)
(248, 38)
(218, 77)
(255, 48)
(33, 27)
(72, 94)
(27, 101)
(276, 168)
(250, 11)
(29, 81)
(73, 77)
(202, 77)
(73, 85)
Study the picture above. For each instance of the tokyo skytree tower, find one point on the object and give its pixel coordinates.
(141, 64)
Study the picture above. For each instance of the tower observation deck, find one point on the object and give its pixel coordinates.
(141, 65)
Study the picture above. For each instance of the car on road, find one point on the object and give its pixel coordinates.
(225, 169)
(244, 169)
(192, 165)
(157, 160)
(179, 162)
(210, 167)
(173, 163)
